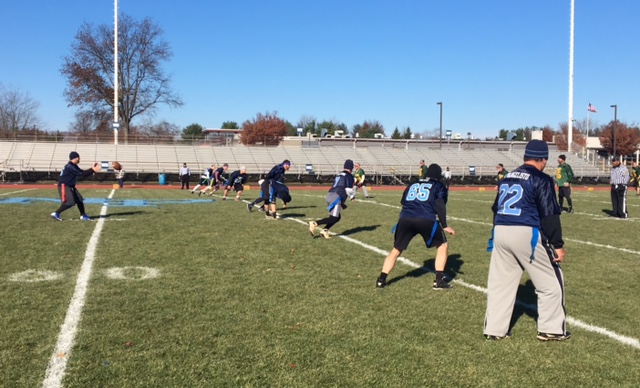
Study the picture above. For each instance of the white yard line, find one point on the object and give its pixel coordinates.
(16, 192)
(633, 342)
(58, 361)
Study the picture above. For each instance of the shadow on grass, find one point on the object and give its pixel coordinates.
(297, 207)
(453, 266)
(608, 212)
(359, 229)
(291, 215)
(526, 303)
(137, 212)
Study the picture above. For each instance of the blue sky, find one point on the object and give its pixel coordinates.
(494, 63)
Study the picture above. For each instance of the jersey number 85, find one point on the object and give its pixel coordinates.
(419, 191)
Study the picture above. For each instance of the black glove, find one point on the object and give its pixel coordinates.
(343, 205)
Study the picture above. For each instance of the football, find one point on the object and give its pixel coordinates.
(117, 166)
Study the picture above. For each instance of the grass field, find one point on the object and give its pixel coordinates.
(172, 292)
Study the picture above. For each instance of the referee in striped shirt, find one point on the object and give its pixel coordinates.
(619, 181)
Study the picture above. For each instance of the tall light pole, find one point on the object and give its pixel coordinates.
(440, 138)
(571, 43)
(116, 123)
(615, 122)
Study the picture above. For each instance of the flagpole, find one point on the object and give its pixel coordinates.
(586, 138)
(570, 123)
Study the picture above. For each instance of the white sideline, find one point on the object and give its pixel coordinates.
(58, 361)
(633, 342)
(16, 192)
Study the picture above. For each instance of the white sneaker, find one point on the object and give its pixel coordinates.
(325, 233)
(312, 228)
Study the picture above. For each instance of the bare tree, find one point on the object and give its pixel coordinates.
(17, 110)
(562, 138)
(142, 83)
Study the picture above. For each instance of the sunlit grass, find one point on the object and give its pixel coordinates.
(245, 301)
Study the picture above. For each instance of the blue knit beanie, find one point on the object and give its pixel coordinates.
(348, 164)
(536, 149)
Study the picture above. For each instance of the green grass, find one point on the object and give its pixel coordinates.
(244, 301)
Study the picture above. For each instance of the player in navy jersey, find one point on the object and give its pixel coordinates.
(205, 179)
(336, 200)
(424, 212)
(527, 236)
(267, 192)
(216, 179)
(236, 181)
(69, 195)
(270, 189)
(278, 171)
(277, 174)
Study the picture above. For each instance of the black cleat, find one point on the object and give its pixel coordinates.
(497, 337)
(381, 283)
(441, 285)
(553, 337)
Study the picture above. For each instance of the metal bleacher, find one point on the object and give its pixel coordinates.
(375, 158)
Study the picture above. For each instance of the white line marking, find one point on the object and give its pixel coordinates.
(58, 361)
(132, 273)
(16, 192)
(491, 225)
(573, 321)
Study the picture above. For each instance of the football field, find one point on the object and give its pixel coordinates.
(168, 289)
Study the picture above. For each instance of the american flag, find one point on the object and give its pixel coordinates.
(592, 108)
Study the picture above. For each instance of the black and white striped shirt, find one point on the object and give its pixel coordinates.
(619, 175)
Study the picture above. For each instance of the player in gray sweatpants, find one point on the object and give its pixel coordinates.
(527, 236)
(511, 255)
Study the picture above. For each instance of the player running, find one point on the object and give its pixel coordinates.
(276, 174)
(216, 179)
(336, 197)
(205, 180)
(236, 181)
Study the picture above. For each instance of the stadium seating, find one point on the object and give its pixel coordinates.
(377, 158)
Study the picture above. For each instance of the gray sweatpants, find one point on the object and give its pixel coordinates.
(511, 255)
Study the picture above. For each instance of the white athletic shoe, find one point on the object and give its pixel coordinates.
(312, 228)
(325, 233)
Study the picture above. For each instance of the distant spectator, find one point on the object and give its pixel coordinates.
(185, 173)
(447, 177)
(422, 174)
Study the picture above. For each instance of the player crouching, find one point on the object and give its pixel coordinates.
(424, 212)
(236, 181)
(270, 189)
